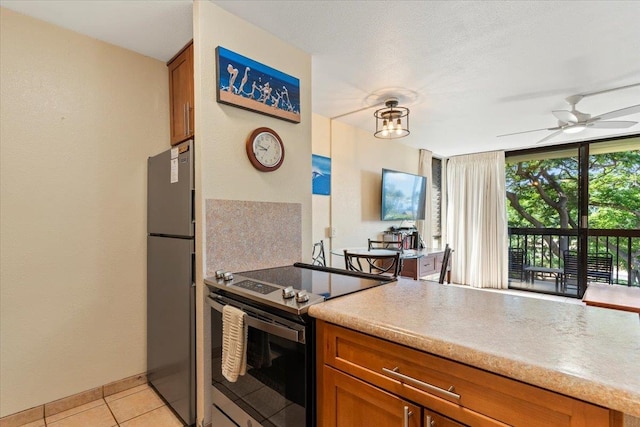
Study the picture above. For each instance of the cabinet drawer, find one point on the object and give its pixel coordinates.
(427, 265)
(450, 388)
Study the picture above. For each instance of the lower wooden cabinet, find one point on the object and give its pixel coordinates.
(368, 381)
(433, 419)
(354, 403)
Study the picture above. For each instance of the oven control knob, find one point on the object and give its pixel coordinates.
(228, 277)
(288, 292)
(302, 296)
(219, 274)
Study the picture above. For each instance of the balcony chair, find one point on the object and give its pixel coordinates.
(599, 268)
(516, 264)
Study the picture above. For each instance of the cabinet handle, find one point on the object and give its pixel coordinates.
(430, 422)
(188, 119)
(185, 116)
(407, 414)
(395, 373)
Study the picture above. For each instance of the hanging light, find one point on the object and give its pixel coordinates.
(392, 121)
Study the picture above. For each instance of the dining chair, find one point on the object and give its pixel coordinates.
(392, 245)
(444, 269)
(383, 264)
(317, 256)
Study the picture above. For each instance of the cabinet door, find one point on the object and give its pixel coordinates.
(181, 95)
(433, 419)
(349, 402)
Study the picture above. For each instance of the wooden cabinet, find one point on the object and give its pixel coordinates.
(181, 95)
(433, 419)
(390, 376)
(352, 403)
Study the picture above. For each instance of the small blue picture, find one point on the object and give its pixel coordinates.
(248, 84)
(321, 175)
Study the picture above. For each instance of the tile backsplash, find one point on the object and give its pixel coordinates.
(248, 235)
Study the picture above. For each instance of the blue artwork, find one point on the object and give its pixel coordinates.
(321, 175)
(248, 84)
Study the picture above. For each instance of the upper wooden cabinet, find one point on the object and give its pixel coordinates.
(181, 94)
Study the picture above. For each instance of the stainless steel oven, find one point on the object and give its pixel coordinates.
(278, 389)
(273, 391)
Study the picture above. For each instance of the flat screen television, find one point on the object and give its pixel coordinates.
(403, 196)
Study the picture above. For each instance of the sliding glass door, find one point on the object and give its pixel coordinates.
(574, 216)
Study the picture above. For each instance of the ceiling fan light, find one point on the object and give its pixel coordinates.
(574, 129)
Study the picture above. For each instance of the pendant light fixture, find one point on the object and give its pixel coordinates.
(392, 121)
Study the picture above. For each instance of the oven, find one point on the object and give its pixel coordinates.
(278, 388)
(278, 357)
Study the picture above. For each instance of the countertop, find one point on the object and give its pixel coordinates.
(590, 353)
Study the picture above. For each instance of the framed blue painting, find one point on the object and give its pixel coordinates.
(321, 175)
(248, 84)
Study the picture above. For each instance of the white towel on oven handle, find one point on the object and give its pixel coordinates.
(234, 343)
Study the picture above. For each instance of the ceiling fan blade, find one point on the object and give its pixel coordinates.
(565, 116)
(612, 124)
(527, 131)
(548, 137)
(619, 113)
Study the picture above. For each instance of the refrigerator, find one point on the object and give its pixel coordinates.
(170, 279)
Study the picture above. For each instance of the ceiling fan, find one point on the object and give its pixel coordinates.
(574, 121)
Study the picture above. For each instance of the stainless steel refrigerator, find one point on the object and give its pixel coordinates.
(170, 279)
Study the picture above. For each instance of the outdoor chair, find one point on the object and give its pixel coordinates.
(516, 264)
(599, 268)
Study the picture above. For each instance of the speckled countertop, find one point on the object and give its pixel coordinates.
(590, 353)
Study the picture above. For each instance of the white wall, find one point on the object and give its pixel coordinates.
(222, 168)
(79, 118)
(357, 159)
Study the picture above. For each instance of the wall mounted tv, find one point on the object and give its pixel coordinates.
(403, 196)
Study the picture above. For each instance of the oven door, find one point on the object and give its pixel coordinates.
(276, 388)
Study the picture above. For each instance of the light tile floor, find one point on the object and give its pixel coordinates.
(137, 407)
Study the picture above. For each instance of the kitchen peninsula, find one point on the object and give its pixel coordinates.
(577, 361)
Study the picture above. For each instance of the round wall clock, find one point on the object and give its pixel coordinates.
(265, 149)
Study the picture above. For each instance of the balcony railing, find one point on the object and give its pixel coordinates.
(545, 247)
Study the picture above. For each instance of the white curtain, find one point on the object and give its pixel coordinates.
(424, 227)
(477, 220)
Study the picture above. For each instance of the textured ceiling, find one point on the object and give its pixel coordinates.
(468, 71)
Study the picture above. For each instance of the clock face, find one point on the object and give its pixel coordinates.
(265, 150)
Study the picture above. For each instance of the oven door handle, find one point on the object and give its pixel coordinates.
(268, 327)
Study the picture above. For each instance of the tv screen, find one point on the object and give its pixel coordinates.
(403, 196)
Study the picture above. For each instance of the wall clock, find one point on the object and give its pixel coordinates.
(265, 149)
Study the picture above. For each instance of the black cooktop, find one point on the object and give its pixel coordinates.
(324, 281)
(265, 287)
